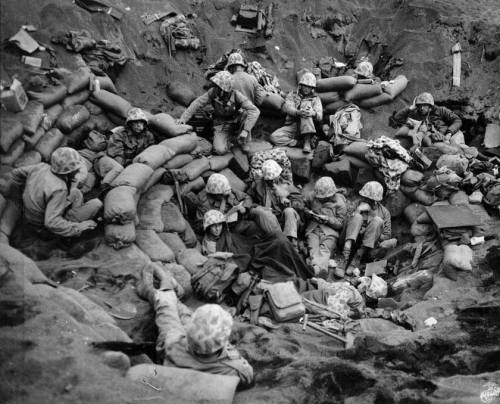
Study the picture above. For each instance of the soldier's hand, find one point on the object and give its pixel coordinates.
(87, 225)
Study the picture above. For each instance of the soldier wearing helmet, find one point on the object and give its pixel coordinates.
(245, 83)
(219, 195)
(369, 225)
(234, 114)
(276, 202)
(425, 123)
(52, 203)
(325, 222)
(303, 110)
(213, 222)
(127, 142)
(196, 340)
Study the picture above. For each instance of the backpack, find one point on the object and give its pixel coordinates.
(213, 282)
(346, 125)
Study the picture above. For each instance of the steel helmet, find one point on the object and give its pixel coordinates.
(364, 68)
(136, 114)
(325, 187)
(308, 79)
(235, 59)
(218, 184)
(213, 217)
(224, 80)
(209, 329)
(372, 190)
(65, 160)
(271, 170)
(424, 98)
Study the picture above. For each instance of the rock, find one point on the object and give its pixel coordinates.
(117, 360)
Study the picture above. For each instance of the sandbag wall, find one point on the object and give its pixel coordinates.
(337, 92)
(57, 114)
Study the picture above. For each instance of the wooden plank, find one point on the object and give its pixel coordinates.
(457, 64)
(451, 216)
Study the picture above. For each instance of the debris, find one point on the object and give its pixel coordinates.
(31, 61)
(376, 267)
(14, 98)
(95, 6)
(24, 41)
(456, 50)
(431, 321)
(476, 240)
(451, 216)
(492, 135)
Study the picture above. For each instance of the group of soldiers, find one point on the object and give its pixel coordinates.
(54, 206)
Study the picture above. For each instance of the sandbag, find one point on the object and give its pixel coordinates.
(10, 130)
(31, 116)
(340, 83)
(421, 229)
(105, 83)
(180, 93)
(300, 161)
(182, 144)
(396, 202)
(173, 241)
(135, 175)
(322, 154)
(94, 109)
(356, 149)
(171, 216)
(375, 101)
(189, 236)
(31, 141)
(218, 163)
(72, 117)
(10, 216)
(362, 91)
(89, 183)
(396, 86)
(115, 119)
(77, 98)
(15, 151)
(454, 162)
(459, 198)
(182, 276)
(341, 171)
(192, 170)
(239, 164)
(424, 197)
(149, 208)
(166, 126)
(5, 179)
(424, 218)
(28, 158)
(256, 146)
(154, 156)
(177, 385)
(101, 123)
(155, 178)
(119, 235)
(111, 102)
(78, 80)
(272, 101)
(333, 107)
(203, 148)
(458, 257)
(178, 161)
(3, 204)
(120, 205)
(50, 141)
(192, 186)
(51, 115)
(149, 242)
(78, 135)
(50, 96)
(192, 260)
(412, 178)
(235, 182)
(328, 97)
(413, 211)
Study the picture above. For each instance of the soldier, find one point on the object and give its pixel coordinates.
(303, 108)
(243, 82)
(326, 219)
(234, 114)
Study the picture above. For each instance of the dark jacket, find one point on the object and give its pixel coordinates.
(441, 118)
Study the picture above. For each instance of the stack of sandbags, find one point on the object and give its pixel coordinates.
(336, 92)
